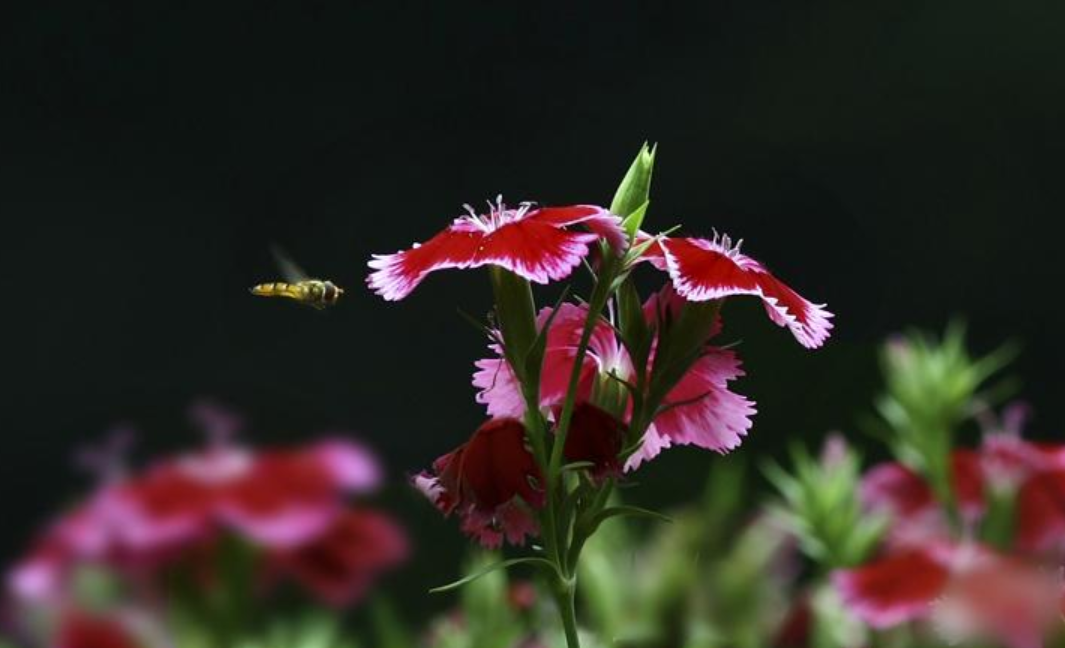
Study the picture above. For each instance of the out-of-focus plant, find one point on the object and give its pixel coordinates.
(494, 612)
(822, 506)
(931, 386)
(318, 630)
(716, 576)
(972, 537)
(582, 392)
(184, 552)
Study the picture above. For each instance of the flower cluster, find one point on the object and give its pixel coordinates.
(190, 518)
(581, 392)
(950, 542)
(994, 579)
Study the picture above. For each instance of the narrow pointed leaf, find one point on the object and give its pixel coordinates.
(503, 564)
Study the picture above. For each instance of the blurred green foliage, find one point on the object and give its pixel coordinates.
(821, 505)
(931, 386)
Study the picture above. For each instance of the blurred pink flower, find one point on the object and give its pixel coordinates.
(280, 501)
(1032, 474)
(896, 490)
(967, 591)
(83, 630)
(274, 498)
(536, 243)
(897, 588)
(705, 269)
(340, 564)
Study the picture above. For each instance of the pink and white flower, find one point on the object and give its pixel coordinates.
(539, 244)
(704, 269)
(699, 410)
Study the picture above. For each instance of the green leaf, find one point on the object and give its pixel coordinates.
(477, 324)
(625, 510)
(503, 564)
(577, 465)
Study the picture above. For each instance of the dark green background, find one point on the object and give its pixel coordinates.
(898, 159)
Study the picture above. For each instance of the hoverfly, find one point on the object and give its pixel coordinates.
(298, 286)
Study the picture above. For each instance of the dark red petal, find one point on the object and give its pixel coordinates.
(339, 565)
(595, 436)
(795, 631)
(897, 489)
(1041, 512)
(968, 478)
(80, 630)
(894, 589)
(497, 467)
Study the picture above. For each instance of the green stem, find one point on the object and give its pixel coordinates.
(600, 296)
(565, 596)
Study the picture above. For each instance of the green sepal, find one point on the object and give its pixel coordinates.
(534, 359)
(631, 223)
(477, 324)
(632, 325)
(516, 313)
(503, 564)
(631, 197)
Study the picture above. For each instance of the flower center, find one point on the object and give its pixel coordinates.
(723, 243)
(498, 215)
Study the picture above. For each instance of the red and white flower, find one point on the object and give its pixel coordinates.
(704, 269)
(540, 244)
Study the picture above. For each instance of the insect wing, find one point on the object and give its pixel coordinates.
(289, 269)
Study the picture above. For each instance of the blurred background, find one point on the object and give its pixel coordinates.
(900, 161)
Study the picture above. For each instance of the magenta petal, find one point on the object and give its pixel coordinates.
(533, 244)
(701, 411)
(498, 388)
(893, 590)
(281, 529)
(352, 466)
(596, 219)
(704, 269)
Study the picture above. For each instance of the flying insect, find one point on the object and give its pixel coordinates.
(298, 286)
